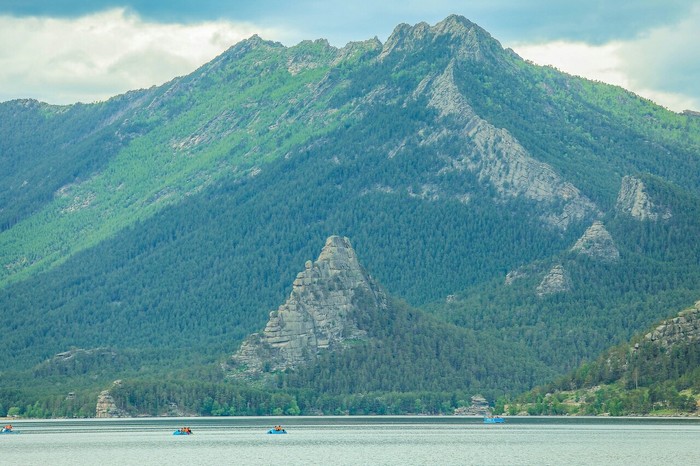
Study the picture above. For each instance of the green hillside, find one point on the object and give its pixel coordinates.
(656, 373)
(608, 302)
(150, 234)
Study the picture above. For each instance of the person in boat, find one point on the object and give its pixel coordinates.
(7, 428)
(279, 428)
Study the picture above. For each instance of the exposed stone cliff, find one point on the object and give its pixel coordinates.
(106, 407)
(634, 201)
(498, 158)
(597, 242)
(319, 314)
(556, 281)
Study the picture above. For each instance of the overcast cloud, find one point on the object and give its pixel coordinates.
(66, 51)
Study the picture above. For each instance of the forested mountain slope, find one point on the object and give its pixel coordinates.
(582, 300)
(176, 217)
(657, 372)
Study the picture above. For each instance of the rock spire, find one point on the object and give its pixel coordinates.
(320, 313)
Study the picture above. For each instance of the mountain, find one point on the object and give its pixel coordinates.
(657, 372)
(150, 235)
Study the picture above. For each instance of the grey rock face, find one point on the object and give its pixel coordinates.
(499, 159)
(479, 407)
(106, 407)
(634, 201)
(319, 314)
(465, 39)
(597, 242)
(556, 281)
(684, 328)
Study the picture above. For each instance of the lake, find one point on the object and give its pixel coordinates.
(400, 440)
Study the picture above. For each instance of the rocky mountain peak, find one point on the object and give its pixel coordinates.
(597, 243)
(464, 38)
(357, 49)
(320, 313)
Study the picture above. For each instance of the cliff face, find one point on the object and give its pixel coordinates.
(106, 406)
(319, 314)
(634, 200)
(497, 157)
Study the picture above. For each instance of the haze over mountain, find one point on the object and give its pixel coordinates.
(537, 216)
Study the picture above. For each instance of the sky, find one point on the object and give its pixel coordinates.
(67, 51)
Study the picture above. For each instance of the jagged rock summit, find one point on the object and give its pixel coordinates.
(320, 314)
(465, 39)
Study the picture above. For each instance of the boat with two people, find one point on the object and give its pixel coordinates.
(8, 430)
(277, 430)
(183, 431)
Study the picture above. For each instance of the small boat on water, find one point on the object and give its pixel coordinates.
(494, 420)
(277, 430)
(183, 431)
(8, 430)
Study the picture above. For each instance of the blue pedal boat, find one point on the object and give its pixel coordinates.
(494, 420)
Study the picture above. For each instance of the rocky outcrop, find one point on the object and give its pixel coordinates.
(106, 407)
(320, 313)
(523, 272)
(685, 328)
(493, 154)
(514, 275)
(597, 243)
(479, 407)
(634, 201)
(497, 158)
(556, 281)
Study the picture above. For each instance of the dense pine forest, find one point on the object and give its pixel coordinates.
(651, 374)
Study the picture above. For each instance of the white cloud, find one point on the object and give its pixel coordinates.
(662, 64)
(600, 63)
(97, 56)
(667, 59)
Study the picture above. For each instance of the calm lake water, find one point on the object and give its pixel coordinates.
(354, 441)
